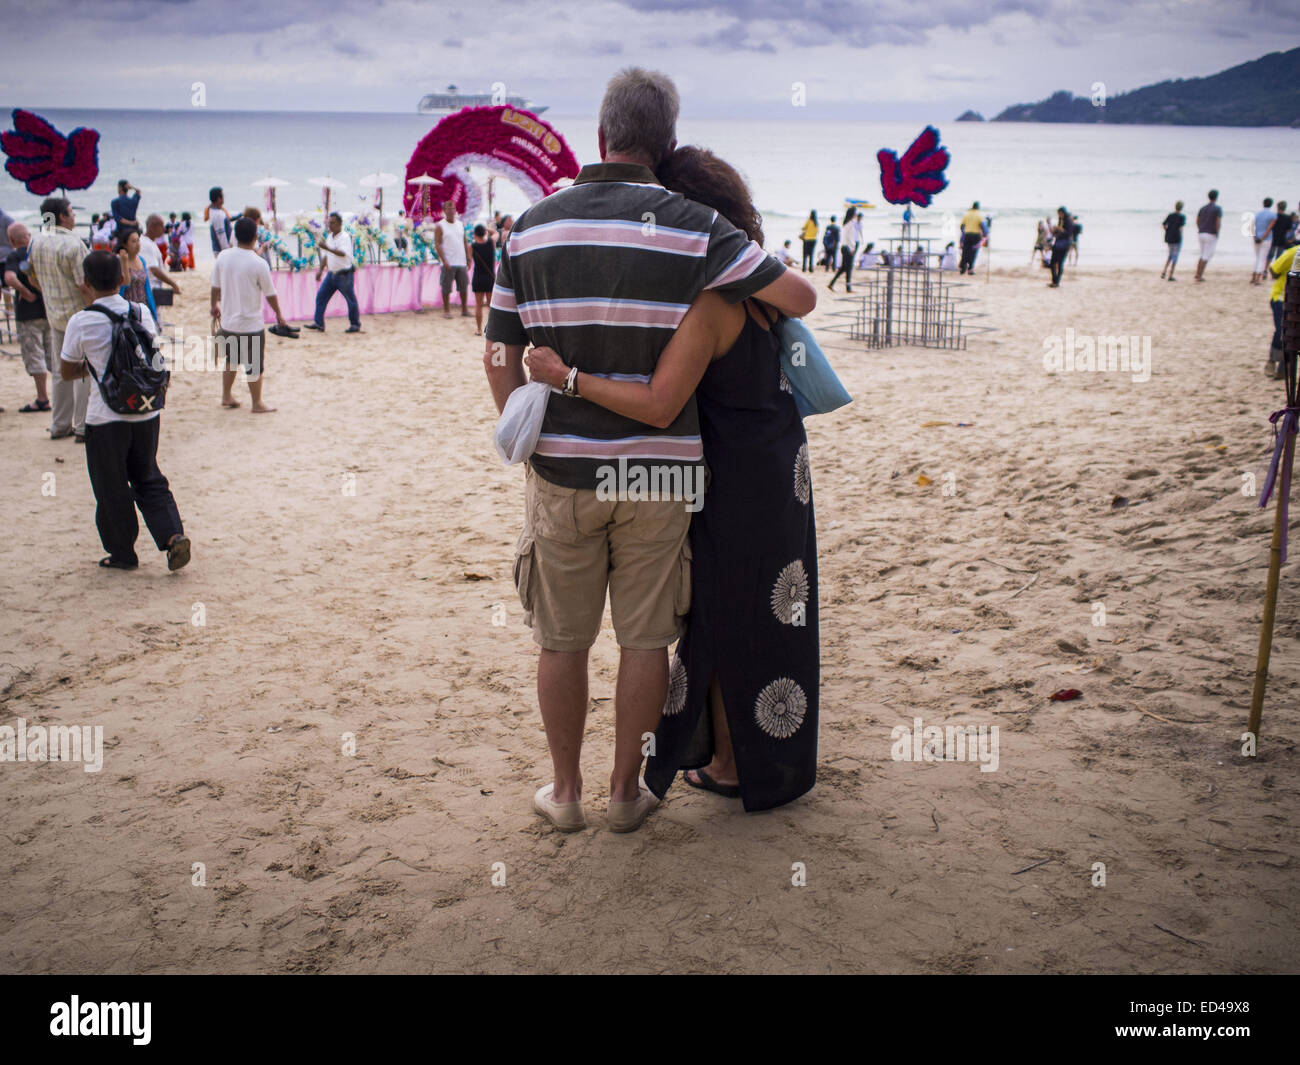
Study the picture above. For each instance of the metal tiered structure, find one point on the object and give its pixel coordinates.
(906, 299)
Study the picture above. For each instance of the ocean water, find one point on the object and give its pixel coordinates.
(1120, 181)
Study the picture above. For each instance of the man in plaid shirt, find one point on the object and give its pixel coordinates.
(56, 256)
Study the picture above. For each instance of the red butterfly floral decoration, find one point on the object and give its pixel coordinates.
(917, 176)
(44, 159)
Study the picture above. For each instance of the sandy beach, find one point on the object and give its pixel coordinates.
(352, 555)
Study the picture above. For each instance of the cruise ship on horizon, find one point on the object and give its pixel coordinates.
(451, 101)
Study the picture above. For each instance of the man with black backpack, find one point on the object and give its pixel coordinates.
(112, 340)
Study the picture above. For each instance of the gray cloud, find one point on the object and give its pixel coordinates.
(903, 54)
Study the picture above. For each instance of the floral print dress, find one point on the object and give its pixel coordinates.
(753, 622)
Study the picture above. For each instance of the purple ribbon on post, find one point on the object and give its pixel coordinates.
(1290, 425)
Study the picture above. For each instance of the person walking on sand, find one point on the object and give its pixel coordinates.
(1278, 269)
(1173, 226)
(1208, 220)
(1280, 234)
(485, 269)
(336, 257)
(240, 279)
(850, 238)
(453, 253)
(809, 236)
(34, 337)
(121, 449)
(1040, 243)
(1265, 220)
(582, 274)
(218, 220)
(972, 232)
(1061, 236)
(830, 244)
(56, 255)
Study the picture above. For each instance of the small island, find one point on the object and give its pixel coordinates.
(1263, 92)
(970, 116)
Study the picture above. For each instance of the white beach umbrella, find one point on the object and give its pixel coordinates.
(327, 183)
(426, 182)
(271, 184)
(380, 180)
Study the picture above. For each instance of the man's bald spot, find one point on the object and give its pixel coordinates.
(18, 235)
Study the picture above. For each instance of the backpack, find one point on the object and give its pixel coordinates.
(131, 382)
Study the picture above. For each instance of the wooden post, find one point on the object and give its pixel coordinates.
(1270, 596)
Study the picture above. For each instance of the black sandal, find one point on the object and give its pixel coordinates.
(36, 406)
(707, 783)
(109, 562)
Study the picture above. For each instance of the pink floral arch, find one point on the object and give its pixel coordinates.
(506, 141)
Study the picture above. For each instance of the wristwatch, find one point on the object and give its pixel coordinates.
(571, 382)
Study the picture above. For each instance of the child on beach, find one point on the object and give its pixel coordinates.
(1173, 226)
(485, 269)
(121, 449)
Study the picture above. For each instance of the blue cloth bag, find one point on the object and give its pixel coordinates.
(816, 388)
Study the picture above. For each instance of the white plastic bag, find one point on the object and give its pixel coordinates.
(520, 423)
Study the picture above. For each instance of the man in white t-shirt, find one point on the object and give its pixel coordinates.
(151, 256)
(336, 257)
(240, 278)
(218, 220)
(121, 449)
(453, 252)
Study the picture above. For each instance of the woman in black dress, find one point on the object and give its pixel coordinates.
(485, 272)
(742, 707)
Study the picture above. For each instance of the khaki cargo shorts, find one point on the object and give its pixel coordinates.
(34, 339)
(574, 545)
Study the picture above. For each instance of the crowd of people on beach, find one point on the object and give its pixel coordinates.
(844, 251)
(657, 366)
(53, 278)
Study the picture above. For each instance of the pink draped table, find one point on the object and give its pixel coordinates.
(379, 290)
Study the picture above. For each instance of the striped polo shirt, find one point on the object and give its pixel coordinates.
(603, 272)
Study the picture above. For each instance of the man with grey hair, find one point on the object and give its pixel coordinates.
(603, 272)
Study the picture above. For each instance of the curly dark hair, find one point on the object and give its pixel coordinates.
(701, 176)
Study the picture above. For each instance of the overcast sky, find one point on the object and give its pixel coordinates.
(888, 59)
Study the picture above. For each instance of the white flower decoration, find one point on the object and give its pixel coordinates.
(676, 701)
(780, 708)
(791, 588)
(802, 475)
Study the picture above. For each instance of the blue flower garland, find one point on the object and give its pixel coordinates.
(363, 234)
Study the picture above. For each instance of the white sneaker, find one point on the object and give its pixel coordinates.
(631, 815)
(566, 816)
